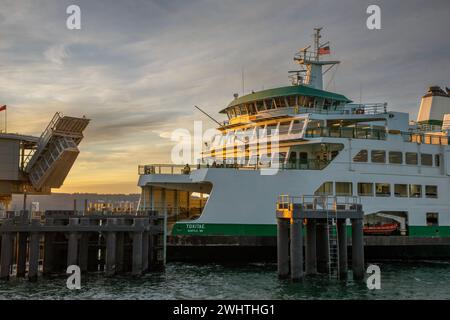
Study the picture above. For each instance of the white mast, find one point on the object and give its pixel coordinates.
(312, 63)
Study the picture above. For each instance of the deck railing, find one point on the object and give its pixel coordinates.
(310, 164)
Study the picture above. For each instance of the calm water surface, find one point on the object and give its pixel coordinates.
(399, 280)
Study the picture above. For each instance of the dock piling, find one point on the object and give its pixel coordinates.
(296, 249)
(33, 258)
(283, 248)
(357, 249)
(310, 256)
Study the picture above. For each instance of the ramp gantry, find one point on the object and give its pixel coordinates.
(56, 151)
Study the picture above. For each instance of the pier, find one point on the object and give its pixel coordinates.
(324, 220)
(108, 243)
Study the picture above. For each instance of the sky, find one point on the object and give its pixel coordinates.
(136, 68)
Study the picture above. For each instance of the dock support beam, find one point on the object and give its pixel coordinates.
(33, 259)
(6, 254)
(311, 258)
(283, 248)
(49, 249)
(322, 246)
(342, 238)
(296, 249)
(137, 250)
(21, 254)
(72, 244)
(83, 247)
(111, 248)
(357, 249)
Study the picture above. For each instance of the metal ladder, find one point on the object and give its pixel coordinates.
(333, 245)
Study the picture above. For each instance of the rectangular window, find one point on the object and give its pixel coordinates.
(383, 189)
(401, 190)
(395, 157)
(426, 159)
(431, 191)
(344, 189)
(378, 156)
(365, 189)
(437, 160)
(411, 158)
(326, 189)
(361, 156)
(432, 219)
(415, 191)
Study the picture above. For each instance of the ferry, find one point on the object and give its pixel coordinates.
(326, 145)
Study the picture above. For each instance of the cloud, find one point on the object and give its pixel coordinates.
(137, 68)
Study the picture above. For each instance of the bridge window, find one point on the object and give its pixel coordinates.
(432, 219)
(437, 160)
(401, 190)
(411, 158)
(383, 189)
(260, 105)
(426, 159)
(365, 189)
(378, 156)
(326, 189)
(291, 101)
(431, 191)
(415, 191)
(361, 156)
(344, 189)
(297, 127)
(395, 157)
(269, 104)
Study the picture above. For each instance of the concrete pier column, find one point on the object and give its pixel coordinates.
(83, 252)
(357, 249)
(311, 256)
(137, 249)
(297, 249)
(21, 254)
(342, 238)
(33, 257)
(72, 244)
(6, 254)
(120, 251)
(49, 248)
(322, 245)
(111, 242)
(283, 248)
(145, 246)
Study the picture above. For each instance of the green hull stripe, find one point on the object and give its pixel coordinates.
(429, 231)
(270, 230)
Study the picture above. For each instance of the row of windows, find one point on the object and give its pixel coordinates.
(254, 107)
(369, 189)
(396, 157)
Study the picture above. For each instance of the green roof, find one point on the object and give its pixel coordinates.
(287, 91)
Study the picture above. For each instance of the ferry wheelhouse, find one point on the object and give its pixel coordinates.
(325, 145)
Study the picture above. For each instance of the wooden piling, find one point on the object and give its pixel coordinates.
(283, 248)
(33, 258)
(311, 256)
(72, 244)
(111, 248)
(137, 249)
(6, 253)
(21, 254)
(342, 239)
(296, 249)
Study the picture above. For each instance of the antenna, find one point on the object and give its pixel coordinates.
(243, 81)
(209, 116)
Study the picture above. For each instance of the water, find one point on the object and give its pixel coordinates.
(399, 280)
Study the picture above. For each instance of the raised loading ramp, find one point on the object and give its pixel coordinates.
(56, 151)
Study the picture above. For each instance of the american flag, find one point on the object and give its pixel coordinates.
(324, 50)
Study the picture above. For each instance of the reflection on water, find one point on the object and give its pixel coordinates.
(399, 280)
